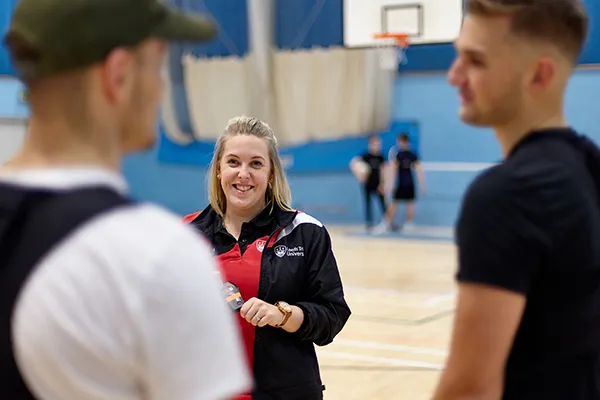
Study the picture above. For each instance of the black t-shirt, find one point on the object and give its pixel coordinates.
(376, 161)
(406, 160)
(532, 225)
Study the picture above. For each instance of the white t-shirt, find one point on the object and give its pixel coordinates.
(128, 307)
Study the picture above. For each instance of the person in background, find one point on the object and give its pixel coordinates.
(102, 297)
(280, 259)
(372, 183)
(402, 164)
(527, 320)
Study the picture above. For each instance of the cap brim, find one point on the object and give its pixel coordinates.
(186, 27)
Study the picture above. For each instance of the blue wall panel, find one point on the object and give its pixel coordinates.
(6, 9)
(308, 23)
(314, 157)
(591, 52)
(232, 18)
(11, 102)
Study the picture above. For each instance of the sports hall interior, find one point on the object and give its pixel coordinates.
(315, 72)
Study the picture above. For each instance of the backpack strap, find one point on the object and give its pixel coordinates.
(42, 219)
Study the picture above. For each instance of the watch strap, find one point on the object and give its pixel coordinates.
(286, 315)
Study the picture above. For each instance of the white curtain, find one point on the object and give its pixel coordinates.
(330, 93)
(217, 89)
(305, 95)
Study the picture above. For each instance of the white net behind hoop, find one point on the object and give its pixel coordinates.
(390, 53)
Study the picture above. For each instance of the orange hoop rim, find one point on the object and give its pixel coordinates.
(401, 38)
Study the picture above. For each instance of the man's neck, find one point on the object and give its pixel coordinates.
(509, 135)
(51, 146)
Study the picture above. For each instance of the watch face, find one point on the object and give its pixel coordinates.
(285, 306)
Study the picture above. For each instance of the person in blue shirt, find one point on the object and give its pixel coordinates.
(402, 162)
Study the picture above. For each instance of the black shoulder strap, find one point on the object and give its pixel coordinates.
(45, 218)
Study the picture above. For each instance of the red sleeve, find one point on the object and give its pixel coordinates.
(190, 217)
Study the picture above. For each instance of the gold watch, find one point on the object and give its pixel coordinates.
(286, 310)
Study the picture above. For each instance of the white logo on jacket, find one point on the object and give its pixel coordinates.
(260, 245)
(282, 250)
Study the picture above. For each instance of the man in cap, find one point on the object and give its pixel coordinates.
(102, 298)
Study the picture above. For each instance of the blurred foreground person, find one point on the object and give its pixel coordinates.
(527, 322)
(102, 298)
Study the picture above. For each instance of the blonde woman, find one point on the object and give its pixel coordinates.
(280, 259)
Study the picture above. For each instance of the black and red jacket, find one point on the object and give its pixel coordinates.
(287, 256)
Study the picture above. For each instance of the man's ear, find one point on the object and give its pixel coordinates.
(116, 71)
(544, 74)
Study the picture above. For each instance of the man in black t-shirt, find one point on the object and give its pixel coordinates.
(372, 184)
(527, 322)
(403, 161)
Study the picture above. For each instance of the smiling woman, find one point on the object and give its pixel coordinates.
(280, 259)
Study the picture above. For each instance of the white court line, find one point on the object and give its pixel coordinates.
(392, 291)
(456, 166)
(350, 288)
(381, 360)
(434, 301)
(389, 347)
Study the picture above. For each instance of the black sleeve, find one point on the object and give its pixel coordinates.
(499, 237)
(326, 310)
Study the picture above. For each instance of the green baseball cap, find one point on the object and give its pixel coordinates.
(47, 37)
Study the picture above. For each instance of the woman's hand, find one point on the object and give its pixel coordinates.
(260, 313)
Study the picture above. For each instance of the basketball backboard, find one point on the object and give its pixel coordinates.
(426, 21)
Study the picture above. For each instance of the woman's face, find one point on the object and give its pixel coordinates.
(245, 169)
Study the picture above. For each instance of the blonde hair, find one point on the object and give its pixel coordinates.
(278, 190)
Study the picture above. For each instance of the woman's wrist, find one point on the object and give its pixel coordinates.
(295, 320)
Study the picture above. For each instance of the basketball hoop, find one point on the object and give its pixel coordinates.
(391, 49)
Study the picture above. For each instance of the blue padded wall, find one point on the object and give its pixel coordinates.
(6, 9)
(308, 23)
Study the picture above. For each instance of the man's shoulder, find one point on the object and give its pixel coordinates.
(141, 231)
(530, 185)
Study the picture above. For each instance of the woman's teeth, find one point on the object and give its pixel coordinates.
(242, 188)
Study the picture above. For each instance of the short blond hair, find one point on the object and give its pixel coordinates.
(278, 190)
(563, 23)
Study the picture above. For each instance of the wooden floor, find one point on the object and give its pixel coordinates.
(402, 296)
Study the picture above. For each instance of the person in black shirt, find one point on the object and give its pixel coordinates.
(372, 183)
(527, 322)
(403, 161)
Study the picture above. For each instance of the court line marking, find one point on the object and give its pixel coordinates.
(456, 166)
(390, 347)
(380, 360)
(436, 300)
(402, 321)
(393, 291)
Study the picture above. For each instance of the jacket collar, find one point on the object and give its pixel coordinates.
(209, 222)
